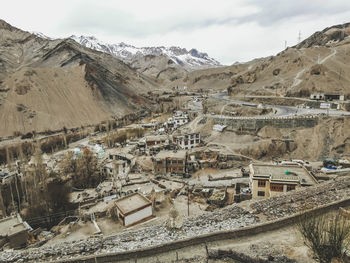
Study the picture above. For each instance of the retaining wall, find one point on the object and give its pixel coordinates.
(200, 242)
(254, 123)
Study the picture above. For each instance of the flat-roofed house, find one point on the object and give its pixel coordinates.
(156, 140)
(14, 231)
(170, 162)
(187, 140)
(119, 168)
(271, 180)
(133, 209)
(117, 155)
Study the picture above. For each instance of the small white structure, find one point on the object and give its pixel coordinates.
(219, 128)
(317, 96)
(133, 209)
(180, 118)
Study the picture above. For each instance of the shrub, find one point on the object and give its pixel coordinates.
(325, 235)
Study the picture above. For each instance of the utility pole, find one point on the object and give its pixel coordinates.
(188, 200)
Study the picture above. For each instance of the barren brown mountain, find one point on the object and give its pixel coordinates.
(317, 64)
(47, 84)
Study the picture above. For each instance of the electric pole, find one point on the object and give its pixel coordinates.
(188, 200)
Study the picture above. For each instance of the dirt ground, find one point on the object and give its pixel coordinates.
(287, 241)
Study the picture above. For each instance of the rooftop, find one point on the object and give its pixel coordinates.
(157, 138)
(11, 225)
(181, 154)
(279, 173)
(131, 203)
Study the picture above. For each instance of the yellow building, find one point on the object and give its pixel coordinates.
(271, 180)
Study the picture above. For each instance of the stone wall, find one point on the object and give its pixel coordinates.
(255, 123)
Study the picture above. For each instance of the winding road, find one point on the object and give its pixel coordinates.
(281, 111)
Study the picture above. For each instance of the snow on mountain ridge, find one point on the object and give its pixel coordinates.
(192, 59)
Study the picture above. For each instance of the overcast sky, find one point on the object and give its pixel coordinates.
(228, 30)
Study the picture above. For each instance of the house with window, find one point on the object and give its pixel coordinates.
(179, 118)
(187, 140)
(154, 140)
(116, 154)
(117, 168)
(270, 180)
(170, 162)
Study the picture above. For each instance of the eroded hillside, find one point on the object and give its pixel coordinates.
(47, 84)
(318, 64)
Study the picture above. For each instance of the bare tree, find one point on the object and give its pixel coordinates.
(325, 235)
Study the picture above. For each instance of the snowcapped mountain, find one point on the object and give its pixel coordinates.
(39, 34)
(192, 59)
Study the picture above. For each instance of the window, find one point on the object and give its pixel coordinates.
(290, 187)
(261, 183)
(261, 193)
(276, 187)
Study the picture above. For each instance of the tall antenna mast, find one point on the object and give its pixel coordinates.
(343, 31)
(299, 37)
(285, 44)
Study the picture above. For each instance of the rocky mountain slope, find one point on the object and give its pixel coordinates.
(317, 64)
(47, 84)
(189, 59)
(162, 68)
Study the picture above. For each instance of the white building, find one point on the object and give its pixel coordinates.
(187, 141)
(133, 209)
(219, 128)
(317, 96)
(180, 118)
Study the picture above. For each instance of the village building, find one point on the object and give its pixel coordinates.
(322, 96)
(170, 162)
(116, 154)
(118, 168)
(201, 158)
(15, 231)
(180, 118)
(187, 140)
(133, 209)
(272, 180)
(156, 140)
(118, 163)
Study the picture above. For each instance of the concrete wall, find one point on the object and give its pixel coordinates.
(246, 123)
(138, 216)
(173, 251)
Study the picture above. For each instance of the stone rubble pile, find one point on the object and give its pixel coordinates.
(225, 219)
(303, 199)
(229, 218)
